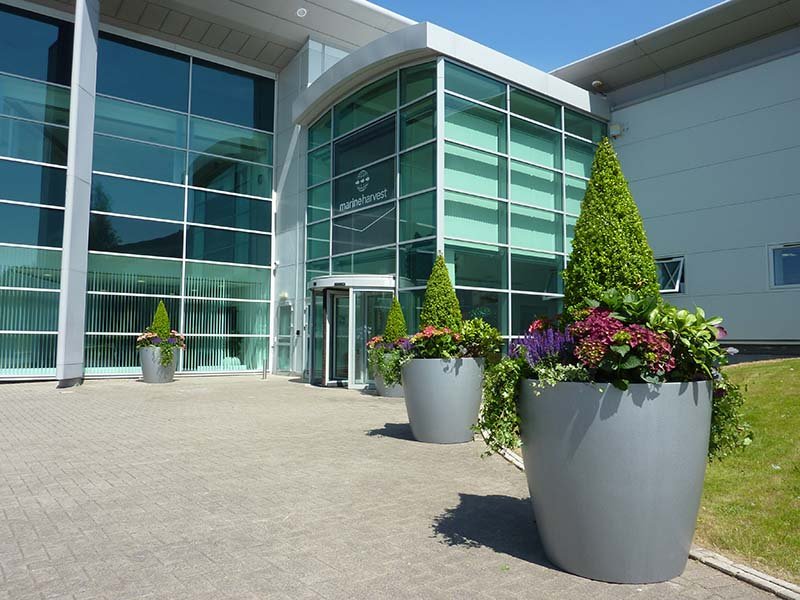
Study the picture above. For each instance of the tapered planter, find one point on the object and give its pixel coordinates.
(152, 369)
(390, 391)
(616, 477)
(442, 398)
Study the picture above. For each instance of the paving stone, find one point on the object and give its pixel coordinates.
(241, 488)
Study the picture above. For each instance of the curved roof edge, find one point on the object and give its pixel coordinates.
(424, 40)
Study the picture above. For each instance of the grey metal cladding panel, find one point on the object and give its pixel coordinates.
(375, 16)
(195, 29)
(153, 16)
(109, 8)
(252, 47)
(174, 23)
(215, 35)
(234, 42)
(131, 10)
(637, 69)
(722, 38)
(271, 52)
(792, 8)
(285, 58)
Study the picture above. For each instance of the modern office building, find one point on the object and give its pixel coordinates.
(275, 172)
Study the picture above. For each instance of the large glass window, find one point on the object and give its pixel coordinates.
(143, 123)
(535, 108)
(471, 170)
(233, 96)
(364, 229)
(32, 100)
(37, 184)
(474, 124)
(365, 105)
(526, 308)
(418, 123)
(225, 210)
(535, 186)
(226, 281)
(536, 271)
(786, 265)
(229, 175)
(33, 141)
(371, 185)
(31, 225)
(134, 275)
(417, 81)
(364, 146)
(538, 229)
(474, 85)
(492, 307)
(418, 170)
(476, 265)
(112, 155)
(135, 236)
(35, 46)
(474, 218)
(535, 144)
(230, 141)
(222, 245)
(418, 216)
(138, 198)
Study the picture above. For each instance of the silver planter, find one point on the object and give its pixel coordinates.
(616, 477)
(442, 398)
(152, 369)
(390, 391)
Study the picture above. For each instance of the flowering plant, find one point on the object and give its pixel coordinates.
(436, 342)
(384, 357)
(160, 334)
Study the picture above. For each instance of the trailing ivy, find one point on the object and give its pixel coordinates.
(498, 419)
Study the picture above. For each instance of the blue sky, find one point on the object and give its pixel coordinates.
(547, 34)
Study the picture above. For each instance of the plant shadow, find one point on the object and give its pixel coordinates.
(503, 523)
(400, 431)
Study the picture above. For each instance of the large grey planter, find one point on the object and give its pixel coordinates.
(152, 369)
(390, 391)
(443, 397)
(616, 477)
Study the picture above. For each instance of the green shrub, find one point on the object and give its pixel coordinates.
(481, 340)
(395, 323)
(440, 308)
(160, 324)
(610, 248)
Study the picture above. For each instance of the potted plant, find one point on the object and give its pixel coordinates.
(157, 348)
(384, 353)
(618, 404)
(442, 365)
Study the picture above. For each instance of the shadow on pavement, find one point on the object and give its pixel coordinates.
(502, 523)
(400, 431)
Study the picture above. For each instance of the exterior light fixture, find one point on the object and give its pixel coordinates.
(302, 12)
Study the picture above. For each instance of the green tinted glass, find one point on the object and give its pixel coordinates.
(136, 159)
(415, 263)
(320, 132)
(225, 210)
(125, 313)
(583, 126)
(417, 81)
(537, 229)
(368, 228)
(227, 354)
(138, 122)
(418, 169)
(319, 165)
(364, 146)
(533, 107)
(473, 218)
(22, 310)
(526, 309)
(576, 189)
(133, 275)
(37, 184)
(227, 281)
(33, 100)
(374, 262)
(226, 317)
(140, 198)
(418, 216)
(418, 123)
(476, 265)
(230, 141)
(230, 175)
(411, 301)
(535, 144)
(578, 158)
(31, 225)
(203, 243)
(365, 105)
(570, 233)
(316, 268)
(30, 267)
(33, 141)
(492, 307)
(479, 172)
(535, 186)
(474, 124)
(319, 202)
(28, 354)
(536, 272)
(474, 85)
(318, 240)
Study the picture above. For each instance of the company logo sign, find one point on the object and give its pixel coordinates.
(359, 192)
(362, 180)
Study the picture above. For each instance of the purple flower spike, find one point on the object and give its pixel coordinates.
(539, 344)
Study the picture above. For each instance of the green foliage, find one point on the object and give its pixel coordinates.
(386, 362)
(440, 308)
(480, 339)
(610, 248)
(160, 324)
(395, 323)
(498, 419)
(433, 342)
(730, 431)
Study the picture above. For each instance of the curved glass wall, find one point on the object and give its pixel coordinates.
(181, 209)
(512, 172)
(35, 70)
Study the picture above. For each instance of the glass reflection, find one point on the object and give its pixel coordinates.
(135, 236)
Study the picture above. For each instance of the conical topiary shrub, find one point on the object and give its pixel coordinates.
(610, 248)
(160, 324)
(395, 323)
(440, 308)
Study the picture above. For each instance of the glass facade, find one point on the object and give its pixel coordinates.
(35, 65)
(181, 209)
(513, 172)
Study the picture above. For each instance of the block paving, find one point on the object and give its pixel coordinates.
(236, 487)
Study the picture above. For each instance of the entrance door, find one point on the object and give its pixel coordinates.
(340, 337)
(371, 310)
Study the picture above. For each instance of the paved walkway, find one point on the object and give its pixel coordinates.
(240, 488)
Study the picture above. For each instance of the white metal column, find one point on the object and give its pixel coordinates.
(74, 257)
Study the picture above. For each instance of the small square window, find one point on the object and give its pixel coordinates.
(670, 274)
(786, 264)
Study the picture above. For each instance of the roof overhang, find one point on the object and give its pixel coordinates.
(425, 40)
(709, 32)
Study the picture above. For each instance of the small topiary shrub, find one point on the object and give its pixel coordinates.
(610, 248)
(395, 323)
(440, 308)
(160, 324)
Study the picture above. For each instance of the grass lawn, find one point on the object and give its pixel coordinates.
(751, 502)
